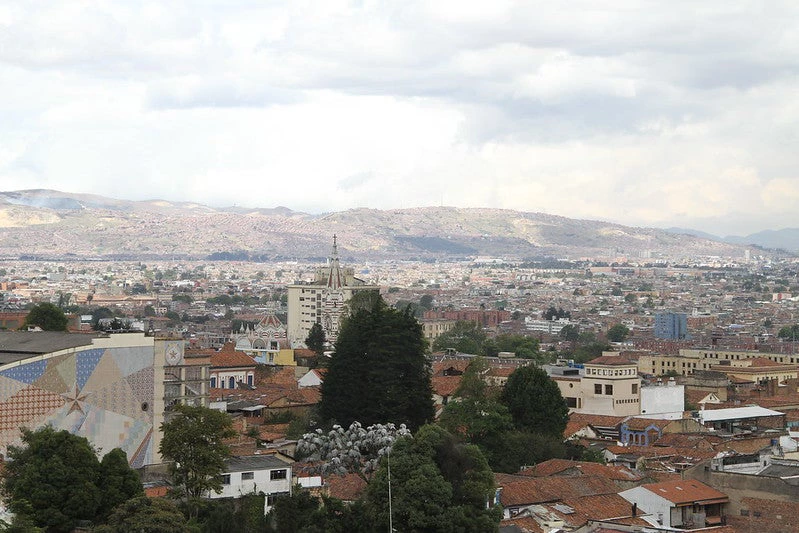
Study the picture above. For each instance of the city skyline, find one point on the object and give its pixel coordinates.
(646, 115)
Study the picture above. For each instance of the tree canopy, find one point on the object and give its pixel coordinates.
(535, 402)
(55, 480)
(618, 333)
(316, 339)
(437, 483)
(789, 332)
(193, 441)
(378, 372)
(145, 515)
(465, 336)
(47, 316)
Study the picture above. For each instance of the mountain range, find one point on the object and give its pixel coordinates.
(53, 224)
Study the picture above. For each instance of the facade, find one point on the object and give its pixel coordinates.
(663, 401)
(255, 474)
(114, 390)
(267, 342)
(671, 326)
(231, 368)
(610, 386)
(322, 302)
(433, 327)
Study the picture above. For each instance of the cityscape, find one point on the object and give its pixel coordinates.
(439, 266)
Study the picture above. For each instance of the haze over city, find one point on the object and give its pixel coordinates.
(672, 114)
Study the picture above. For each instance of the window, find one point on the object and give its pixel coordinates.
(277, 474)
(635, 388)
(597, 389)
(249, 380)
(226, 479)
(609, 390)
(571, 402)
(246, 476)
(213, 382)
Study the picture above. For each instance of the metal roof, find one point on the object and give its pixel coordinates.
(246, 463)
(736, 413)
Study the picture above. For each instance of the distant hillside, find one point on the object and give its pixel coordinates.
(784, 239)
(45, 223)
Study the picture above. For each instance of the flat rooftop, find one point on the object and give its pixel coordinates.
(20, 345)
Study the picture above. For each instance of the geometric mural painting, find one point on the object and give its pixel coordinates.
(103, 394)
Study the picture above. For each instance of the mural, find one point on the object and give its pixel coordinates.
(103, 394)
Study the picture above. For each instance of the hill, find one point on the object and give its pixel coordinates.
(52, 224)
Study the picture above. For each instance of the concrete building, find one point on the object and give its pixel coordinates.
(324, 301)
(684, 504)
(114, 390)
(255, 474)
(665, 401)
(610, 386)
(671, 326)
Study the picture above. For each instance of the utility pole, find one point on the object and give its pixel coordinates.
(390, 517)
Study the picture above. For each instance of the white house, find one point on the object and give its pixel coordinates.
(255, 474)
(683, 503)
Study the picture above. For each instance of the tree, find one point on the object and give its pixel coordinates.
(465, 336)
(618, 333)
(426, 301)
(535, 402)
(47, 316)
(52, 479)
(194, 442)
(145, 515)
(356, 449)
(119, 482)
(569, 332)
(316, 339)
(521, 345)
(379, 371)
(437, 484)
(789, 332)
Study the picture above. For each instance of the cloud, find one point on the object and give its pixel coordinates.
(645, 113)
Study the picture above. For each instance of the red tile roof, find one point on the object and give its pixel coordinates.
(611, 360)
(565, 467)
(446, 385)
(228, 357)
(348, 487)
(524, 490)
(686, 491)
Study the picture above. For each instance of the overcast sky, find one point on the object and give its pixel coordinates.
(646, 113)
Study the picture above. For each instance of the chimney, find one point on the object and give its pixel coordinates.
(635, 509)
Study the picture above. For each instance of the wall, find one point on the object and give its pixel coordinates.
(668, 400)
(106, 392)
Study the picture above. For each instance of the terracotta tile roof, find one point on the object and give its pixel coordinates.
(526, 524)
(446, 385)
(689, 440)
(685, 491)
(440, 366)
(611, 360)
(640, 424)
(594, 507)
(525, 490)
(280, 376)
(228, 357)
(565, 467)
(578, 421)
(348, 487)
(766, 516)
(763, 362)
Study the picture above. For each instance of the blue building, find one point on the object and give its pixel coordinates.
(672, 326)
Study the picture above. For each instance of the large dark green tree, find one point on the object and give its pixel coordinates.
(535, 402)
(194, 442)
(379, 372)
(47, 316)
(55, 480)
(316, 339)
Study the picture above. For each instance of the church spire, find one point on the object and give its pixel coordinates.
(334, 275)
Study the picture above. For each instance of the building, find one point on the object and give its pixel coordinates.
(114, 390)
(610, 386)
(684, 503)
(671, 326)
(255, 474)
(231, 369)
(324, 301)
(267, 342)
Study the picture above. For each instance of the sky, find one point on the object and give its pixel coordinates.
(647, 113)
